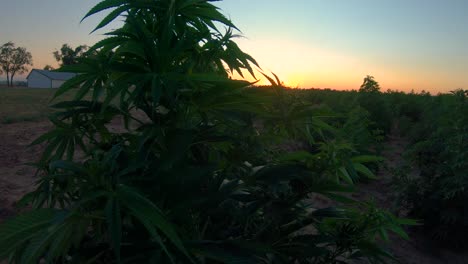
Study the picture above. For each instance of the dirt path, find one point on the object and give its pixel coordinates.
(418, 250)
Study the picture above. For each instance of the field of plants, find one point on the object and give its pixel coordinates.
(158, 156)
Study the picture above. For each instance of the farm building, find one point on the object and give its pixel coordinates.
(47, 79)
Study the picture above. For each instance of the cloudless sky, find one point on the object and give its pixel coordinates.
(405, 44)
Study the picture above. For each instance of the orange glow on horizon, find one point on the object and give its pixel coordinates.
(304, 66)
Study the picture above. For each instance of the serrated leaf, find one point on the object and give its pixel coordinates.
(399, 231)
(103, 5)
(149, 214)
(70, 84)
(407, 221)
(110, 17)
(345, 175)
(366, 158)
(22, 228)
(297, 156)
(364, 170)
(67, 165)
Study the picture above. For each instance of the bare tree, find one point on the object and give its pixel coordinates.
(14, 60)
(68, 55)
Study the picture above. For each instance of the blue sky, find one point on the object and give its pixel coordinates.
(412, 44)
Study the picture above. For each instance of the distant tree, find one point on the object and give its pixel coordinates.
(14, 60)
(49, 68)
(68, 55)
(369, 85)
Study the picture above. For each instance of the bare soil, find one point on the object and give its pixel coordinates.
(17, 178)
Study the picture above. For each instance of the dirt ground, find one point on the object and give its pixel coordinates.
(16, 179)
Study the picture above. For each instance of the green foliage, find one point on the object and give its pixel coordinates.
(440, 193)
(68, 55)
(361, 130)
(369, 85)
(433, 187)
(193, 173)
(379, 111)
(372, 100)
(13, 60)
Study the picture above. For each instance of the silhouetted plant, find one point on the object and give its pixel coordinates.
(369, 85)
(189, 177)
(372, 100)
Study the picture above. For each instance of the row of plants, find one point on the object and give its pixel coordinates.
(431, 185)
(196, 171)
(437, 127)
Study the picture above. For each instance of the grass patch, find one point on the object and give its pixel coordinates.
(24, 104)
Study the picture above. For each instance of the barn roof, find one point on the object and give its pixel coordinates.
(61, 76)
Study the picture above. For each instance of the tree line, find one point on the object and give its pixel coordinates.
(16, 60)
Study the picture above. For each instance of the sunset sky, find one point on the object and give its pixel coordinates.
(405, 44)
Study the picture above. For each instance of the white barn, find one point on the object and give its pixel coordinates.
(47, 79)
